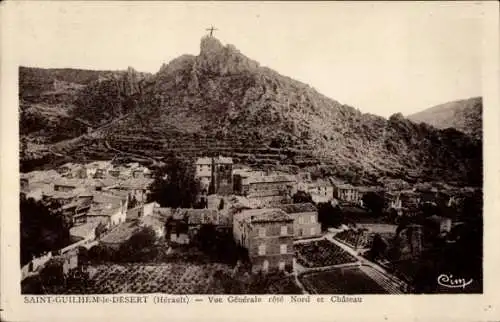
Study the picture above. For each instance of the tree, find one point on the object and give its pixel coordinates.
(132, 202)
(139, 247)
(329, 216)
(302, 197)
(53, 273)
(175, 184)
(221, 204)
(101, 253)
(374, 202)
(41, 230)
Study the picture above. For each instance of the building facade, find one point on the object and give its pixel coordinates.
(215, 174)
(222, 175)
(267, 234)
(305, 219)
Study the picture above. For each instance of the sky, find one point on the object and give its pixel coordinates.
(381, 58)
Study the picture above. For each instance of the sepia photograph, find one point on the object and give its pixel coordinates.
(251, 149)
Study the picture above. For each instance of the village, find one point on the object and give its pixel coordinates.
(250, 231)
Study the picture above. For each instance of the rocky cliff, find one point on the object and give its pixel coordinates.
(220, 101)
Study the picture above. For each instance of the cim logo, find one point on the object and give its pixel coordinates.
(450, 282)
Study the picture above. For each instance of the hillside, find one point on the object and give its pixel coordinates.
(463, 115)
(220, 101)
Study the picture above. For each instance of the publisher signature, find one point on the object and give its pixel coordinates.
(450, 282)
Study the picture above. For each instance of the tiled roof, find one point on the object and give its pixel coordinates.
(107, 197)
(136, 183)
(269, 179)
(223, 160)
(42, 176)
(121, 233)
(295, 208)
(103, 210)
(70, 182)
(263, 215)
(98, 165)
(83, 230)
(320, 183)
(204, 161)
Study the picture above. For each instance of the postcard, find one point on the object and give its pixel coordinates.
(249, 160)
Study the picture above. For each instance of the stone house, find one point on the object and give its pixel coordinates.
(345, 192)
(321, 188)
(222, 175)
(267, 234)
(141, 211)
(108, 209)
(305, 219)
(203, 171)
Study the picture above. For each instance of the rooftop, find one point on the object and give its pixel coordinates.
(269, 179)
(83, 230)
(295, 208)
(120, 233)
(205, 160)
(108, 197)
(263, 215)
(223, 160)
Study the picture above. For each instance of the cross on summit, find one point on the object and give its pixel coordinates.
(211, 29)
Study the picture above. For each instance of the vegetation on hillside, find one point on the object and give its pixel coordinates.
(462, 115)
(221, 102)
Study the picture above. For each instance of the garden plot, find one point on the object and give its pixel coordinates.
(321, 253)
(178, 278)
(349, 280)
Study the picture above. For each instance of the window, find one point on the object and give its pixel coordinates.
(262, 250)
(313, 219)
(262, 232)
(284, 230)
(265, 265)
(283, 249)
(281, 266)
(313, 231)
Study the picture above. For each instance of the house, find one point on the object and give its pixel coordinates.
(321, 187)
(305, 219)
(176, 226)
(141, 172)
(215, 174)
(119, 235)
(141, 211)
(72, 170)
(68, 184)
(97, 169)
(320, 190)
(77, 209)
(65, 262)
(204, 171)
(345, 192)
(35, 193)
(222, 175)
(108, 208)
(437, 225)
(84, 231)
(137, 188)
(267, 234)
(272, 189)
(183, 224)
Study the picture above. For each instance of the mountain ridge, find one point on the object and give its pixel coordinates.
(222, 102)
(465, 115)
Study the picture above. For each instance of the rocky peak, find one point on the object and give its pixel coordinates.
(210, 46)
(223, 60)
